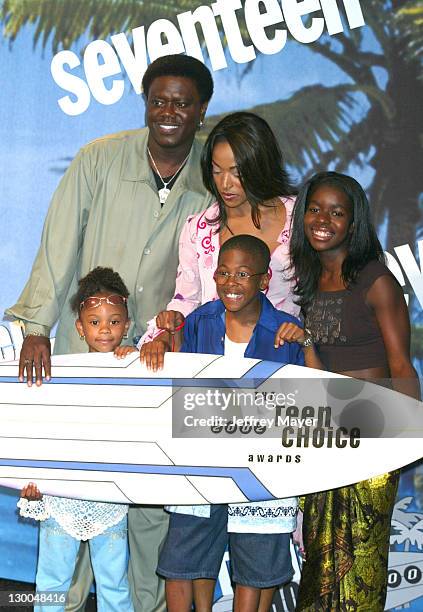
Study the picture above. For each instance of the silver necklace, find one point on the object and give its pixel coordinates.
(164, 191)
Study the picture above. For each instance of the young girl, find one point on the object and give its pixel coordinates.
(356, 315)
(102, 322)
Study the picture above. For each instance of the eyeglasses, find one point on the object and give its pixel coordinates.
(240, 277)
(93, 302)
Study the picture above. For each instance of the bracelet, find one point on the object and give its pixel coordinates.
(179, 327)
(163, 331)
(308, 338)
(173, 335)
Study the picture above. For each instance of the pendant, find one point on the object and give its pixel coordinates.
(163, 193)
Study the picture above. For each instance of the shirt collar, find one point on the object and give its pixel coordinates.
(267, 318)
(137, 167)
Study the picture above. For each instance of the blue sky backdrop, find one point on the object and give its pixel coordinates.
(36, 136)
(36, 141)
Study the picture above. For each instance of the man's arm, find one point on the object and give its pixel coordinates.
(43, 297)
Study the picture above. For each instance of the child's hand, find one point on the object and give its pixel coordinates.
(31, 492)
(122, 351)
(170, 320)
(289, 332)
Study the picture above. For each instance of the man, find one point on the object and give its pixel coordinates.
(122, 204)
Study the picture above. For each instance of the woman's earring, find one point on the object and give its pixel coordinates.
(125, 336)
(82, 337)
(200, 125)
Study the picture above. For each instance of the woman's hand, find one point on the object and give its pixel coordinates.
(289, 332)
(31, 492)
(122, 351)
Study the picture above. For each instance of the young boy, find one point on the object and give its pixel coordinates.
(242, 323)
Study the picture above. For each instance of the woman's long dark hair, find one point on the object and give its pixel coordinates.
(258, 158)
(363, 246)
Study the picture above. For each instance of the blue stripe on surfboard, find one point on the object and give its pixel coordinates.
(264, 369)
(249, 484)
(91, 380)
(252, 378)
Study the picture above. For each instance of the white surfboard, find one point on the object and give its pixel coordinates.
(109, 430)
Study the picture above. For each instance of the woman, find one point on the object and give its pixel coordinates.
(358, 320)
(243, 168)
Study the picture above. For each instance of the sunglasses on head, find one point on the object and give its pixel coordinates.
(93, 302)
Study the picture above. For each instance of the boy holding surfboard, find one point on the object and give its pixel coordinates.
(242, 323)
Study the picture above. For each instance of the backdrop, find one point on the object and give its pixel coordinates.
(339, 81)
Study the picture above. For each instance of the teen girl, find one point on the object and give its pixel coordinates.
(357, 319)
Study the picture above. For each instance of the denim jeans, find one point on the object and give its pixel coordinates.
(195, 546)
(109, 557)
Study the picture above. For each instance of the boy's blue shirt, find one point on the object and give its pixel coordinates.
(204, 332)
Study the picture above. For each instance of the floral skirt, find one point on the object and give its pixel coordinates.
(346, 537)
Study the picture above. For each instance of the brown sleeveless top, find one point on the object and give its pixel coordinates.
(344, 328)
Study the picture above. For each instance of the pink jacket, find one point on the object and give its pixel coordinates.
(198, 253)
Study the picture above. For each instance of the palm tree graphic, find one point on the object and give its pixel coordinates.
(406, 528)
(371, 120)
